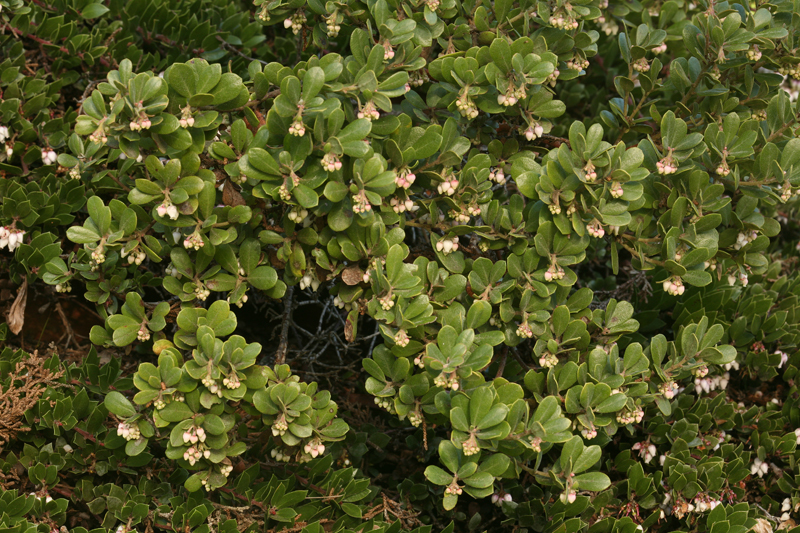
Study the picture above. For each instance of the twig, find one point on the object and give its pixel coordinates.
(280, 354)
(230, 48)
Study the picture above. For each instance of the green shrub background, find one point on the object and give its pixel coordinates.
(447, 265)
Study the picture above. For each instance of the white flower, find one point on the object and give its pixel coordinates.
(759, 467)
(49, 157)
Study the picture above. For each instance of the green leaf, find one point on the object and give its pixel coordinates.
(437, 476)
(263, 278)
(355, 131)
(588, 458)
(592, 481)
(313, 81)
(176, 412)
(92, 11)
(135, 447)
(119, 405)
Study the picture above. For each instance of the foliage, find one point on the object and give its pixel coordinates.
(576, 247)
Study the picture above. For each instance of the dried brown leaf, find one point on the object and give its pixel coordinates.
(16, 315)
(352, 275)
(348, 330)
(231, 196)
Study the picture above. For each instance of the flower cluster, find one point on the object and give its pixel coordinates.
(194, 454)
(297, 128)
(447, 246)
(447, 380)
(387, 302)
(193, 241)
(332, 26)
(361, 203)
(63, 287)
(659, 49)
(388, 51)
(448, 186)
(524, 331)
(201, 292)
(331, 163)
(369, 112)
(741, 276)
(98, 255)
(212, 386)
(401, 338)
(453, 489)
(595, 229)
(405, 178)
(49, 157)
(629, 416)
(167, 209)
(759, 467)
(296, 22)
(297, 215)
(10, 237)
(745, 238)
(754, 54)
(466, 107)
(568, 496)
(470, 446)
(401, 206)
(141, 123)
(709, 384)
(548, 360)
(309, 279)
(128, 431)
(143, 335)
(341, 304)
(674, 286)
(232, 381)
(646, 451)
(534, 131)
(498, 176)
(668, 389)
(193, 435)
(641, 65)
(554, 272)
(186, 120)
(667, 166)
(511, 97)
(280, 426)
(314, 448)
(578, 63)
(564, 22)
(385, 403)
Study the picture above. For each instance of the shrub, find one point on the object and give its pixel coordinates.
(575, 248)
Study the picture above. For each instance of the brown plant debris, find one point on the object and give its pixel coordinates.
(16, 315)
(20, 391)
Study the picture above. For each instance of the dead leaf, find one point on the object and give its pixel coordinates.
(762, 526)
(231, 196)
(352, 275)
(16, 315)
(349, 327)
(274, 261)
(789, 524)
